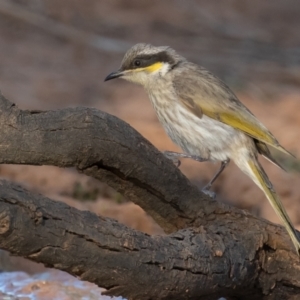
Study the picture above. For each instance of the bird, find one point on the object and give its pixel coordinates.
(201, 114)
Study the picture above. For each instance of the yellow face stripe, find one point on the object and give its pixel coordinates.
(154, 67)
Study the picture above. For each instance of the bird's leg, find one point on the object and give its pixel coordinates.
(206, 189)
(174, 157)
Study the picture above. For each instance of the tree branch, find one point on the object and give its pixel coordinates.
(218, 250)
(104, 147)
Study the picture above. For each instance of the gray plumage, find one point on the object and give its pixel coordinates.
(203, 116)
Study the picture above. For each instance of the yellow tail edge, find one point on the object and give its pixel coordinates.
(262, 180)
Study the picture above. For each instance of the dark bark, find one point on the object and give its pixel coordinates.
(212, 249)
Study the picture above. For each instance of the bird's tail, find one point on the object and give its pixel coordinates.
(255, 171)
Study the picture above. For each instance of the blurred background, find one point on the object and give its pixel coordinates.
(56, 54)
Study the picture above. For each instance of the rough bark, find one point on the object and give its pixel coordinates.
(212, 249)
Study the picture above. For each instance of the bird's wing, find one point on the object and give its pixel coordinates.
(266, 153)
(200, 91)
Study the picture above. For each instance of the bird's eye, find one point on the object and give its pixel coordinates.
(137, 63)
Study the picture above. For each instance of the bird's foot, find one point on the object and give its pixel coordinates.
(209, 193)
(174, 158)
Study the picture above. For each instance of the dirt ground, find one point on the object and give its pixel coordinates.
(254, 46)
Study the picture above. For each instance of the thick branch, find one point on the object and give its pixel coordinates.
(103, 146)
(229, 253)
(191, 264)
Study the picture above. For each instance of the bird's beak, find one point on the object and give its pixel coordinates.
(114, 75)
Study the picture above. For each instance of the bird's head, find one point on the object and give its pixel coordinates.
(144, 64)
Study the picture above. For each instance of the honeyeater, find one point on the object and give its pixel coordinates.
(203, 117)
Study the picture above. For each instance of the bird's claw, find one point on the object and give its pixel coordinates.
(173, 158)
(211, 194)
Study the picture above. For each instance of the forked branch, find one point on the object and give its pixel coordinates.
(212, 250)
